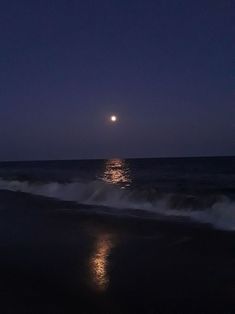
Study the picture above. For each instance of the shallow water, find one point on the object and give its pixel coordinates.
(135, 236)
(201, 189)
(61, 257)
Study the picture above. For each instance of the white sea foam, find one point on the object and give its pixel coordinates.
(221, 214)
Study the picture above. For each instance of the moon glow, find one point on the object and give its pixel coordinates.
(113, 118)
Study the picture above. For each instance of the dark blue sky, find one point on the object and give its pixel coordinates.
(166, 67)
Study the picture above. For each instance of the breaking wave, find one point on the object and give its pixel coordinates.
(216, 210)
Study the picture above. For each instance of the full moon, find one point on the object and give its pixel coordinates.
(113, 118)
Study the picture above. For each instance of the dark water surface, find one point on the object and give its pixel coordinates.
(135, 236)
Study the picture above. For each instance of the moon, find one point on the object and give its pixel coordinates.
(113, 118)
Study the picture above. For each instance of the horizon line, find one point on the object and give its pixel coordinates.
(125, 158)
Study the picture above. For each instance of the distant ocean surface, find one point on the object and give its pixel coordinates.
(200, 190)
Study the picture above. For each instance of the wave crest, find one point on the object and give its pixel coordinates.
(216, 210)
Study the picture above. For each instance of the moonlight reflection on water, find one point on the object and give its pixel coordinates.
(117, 172)
(99, 261)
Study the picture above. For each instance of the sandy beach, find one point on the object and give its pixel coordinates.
(57, 259)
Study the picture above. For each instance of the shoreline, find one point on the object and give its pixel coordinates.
(53, 261)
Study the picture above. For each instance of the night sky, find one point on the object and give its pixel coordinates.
(165, 67)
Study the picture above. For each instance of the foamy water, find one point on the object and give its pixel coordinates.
(221, 214)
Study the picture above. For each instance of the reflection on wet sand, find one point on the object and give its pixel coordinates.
(117, 172)
(99, 261)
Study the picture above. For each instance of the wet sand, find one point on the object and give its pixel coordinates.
(57, 258)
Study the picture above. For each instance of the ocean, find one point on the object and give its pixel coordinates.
(201, 189)
(118, 236)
